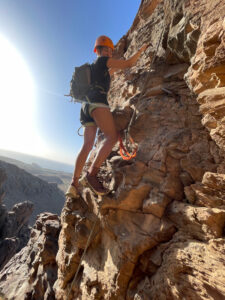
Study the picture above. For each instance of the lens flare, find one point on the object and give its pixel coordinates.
(18, 130)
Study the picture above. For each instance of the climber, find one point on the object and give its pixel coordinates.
(96, 114)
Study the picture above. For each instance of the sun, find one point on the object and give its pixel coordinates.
(17, 103)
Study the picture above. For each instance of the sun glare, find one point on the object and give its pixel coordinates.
(17, 103)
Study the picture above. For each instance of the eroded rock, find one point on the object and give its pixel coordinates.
(166, 210)
(14, 229)
(31, 273)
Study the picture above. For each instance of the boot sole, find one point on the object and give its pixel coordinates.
(85, 182)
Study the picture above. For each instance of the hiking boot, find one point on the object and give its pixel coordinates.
(72, 192)
(94, 184)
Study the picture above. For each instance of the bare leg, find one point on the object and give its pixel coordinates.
(89, 138)
(104, 120)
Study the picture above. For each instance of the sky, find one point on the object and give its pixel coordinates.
(41, 41)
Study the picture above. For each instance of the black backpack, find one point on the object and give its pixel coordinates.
(80, 83)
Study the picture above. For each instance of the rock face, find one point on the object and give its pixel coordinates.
(14, 229)
(31, 273)
(23, 186)
(160, 233)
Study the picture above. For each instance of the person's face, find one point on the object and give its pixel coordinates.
(106, 51)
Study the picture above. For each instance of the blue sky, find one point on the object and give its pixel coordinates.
(53, 37)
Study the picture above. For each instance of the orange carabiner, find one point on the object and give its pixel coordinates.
(126, 155)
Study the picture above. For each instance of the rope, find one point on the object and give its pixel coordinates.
(82, 257)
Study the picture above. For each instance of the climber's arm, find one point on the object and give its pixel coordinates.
(123, 64)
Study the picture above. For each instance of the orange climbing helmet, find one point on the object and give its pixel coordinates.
(103, 40)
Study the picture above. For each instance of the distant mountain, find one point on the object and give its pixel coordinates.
(38, 161)
(22, 186)
(62, 179)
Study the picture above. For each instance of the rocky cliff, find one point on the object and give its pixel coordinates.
(160, 233)
(60, 179)
(14, 229)
(21, 185)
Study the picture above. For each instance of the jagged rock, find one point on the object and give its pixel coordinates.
(182, 38)
(8, 248)
(214, 181)
(120, 239)
(209, 193)
(206, 74)
(190, 269)
(156, 203)
(17, 218)
(3, 216)
(31, 273)
(201, 222)
(22, 186)
(173, 177)
(14, 229)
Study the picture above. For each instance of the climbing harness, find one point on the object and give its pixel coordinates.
(81, 259)
(123, 150)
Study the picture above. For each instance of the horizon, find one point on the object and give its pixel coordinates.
(40, 161)
(28, 154)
